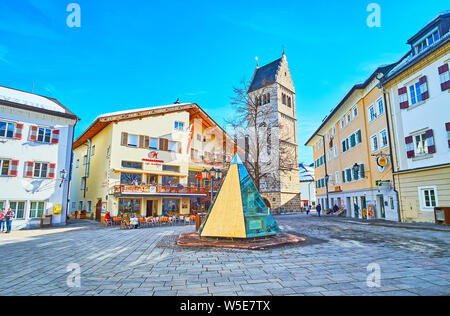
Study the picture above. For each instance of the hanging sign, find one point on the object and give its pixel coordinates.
(382, 163)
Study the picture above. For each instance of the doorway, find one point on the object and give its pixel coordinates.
(151, 208)
(349, 207)
(356, 208)
(98, 211)
(382, 211)
(363, 207)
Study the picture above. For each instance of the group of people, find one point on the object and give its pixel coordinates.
(318, 209)
(6, 218)
(335, 209)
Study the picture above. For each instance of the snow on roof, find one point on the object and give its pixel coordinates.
(29, 99)
(412, 58)
(142, 109)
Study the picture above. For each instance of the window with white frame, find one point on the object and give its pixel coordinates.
(40, 170)
(80, 206)
(133, 140)
(372, 113)
(374, 143)
(36, 209)
(384, 139)
(380, 107)
(44, 135)
(329, 155)
(342, 123)
(179, 126)
(18, 208)
(74, 206)
(420, 144)
(428, 41)
(7, 129)
(337, 178)
(414, 93)
(5, 164)
(355, 112)
(335, 150)
(428, 198)
(173, 146)
(348, 117)
(153, 143)
(333, 131)
(89, 206)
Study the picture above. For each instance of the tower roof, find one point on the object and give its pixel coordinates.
(265, 75)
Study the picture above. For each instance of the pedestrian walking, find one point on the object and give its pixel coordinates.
(318, 209)
(3, 220)
(307, 209)
(9, 218)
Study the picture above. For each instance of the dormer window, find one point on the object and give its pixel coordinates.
(428, 41)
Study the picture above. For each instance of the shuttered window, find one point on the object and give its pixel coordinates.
(444, 76)
(163, 144)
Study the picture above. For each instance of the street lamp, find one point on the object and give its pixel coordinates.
(356, 168)
(214, 175)
(62, 175)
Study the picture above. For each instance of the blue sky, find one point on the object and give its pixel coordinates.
(134, 53)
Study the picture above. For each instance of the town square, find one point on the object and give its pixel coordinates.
(217, 153)
(146, 262)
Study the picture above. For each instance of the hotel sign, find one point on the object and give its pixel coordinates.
(153, 155)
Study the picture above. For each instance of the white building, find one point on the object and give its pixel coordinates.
(36, 135)
(307, 185)
(418, 93)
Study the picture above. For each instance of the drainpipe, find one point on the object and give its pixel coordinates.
(391, 153)
(88, 162)
(326, 171)
(69, 175)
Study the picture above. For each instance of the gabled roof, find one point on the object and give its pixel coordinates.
(34, 102)
(105, 119)
(265, 75)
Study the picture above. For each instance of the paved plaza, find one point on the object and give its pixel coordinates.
(414, 260)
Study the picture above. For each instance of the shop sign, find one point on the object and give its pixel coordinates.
(382, 163)
(136, 189)
(153, 157)
(57, 209)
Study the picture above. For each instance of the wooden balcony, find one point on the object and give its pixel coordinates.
(157, 190)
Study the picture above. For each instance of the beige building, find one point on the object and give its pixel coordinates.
(273, 89)
(353, 168)
(148, 161)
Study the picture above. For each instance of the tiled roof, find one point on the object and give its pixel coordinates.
(265, 75)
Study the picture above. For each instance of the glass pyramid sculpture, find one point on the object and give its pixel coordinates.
(239, 210)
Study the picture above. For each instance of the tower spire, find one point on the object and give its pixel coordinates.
(257, 61)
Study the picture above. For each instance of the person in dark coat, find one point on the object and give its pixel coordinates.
(335, 208)
(318, 209)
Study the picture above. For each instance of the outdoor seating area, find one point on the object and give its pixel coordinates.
(128, 222)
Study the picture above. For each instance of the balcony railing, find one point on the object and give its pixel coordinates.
(150, 189)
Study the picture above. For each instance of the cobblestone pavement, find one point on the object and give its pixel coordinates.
(334, 260)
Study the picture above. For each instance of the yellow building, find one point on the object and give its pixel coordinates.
(352, 155)
(418, 94)
(148, 161)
